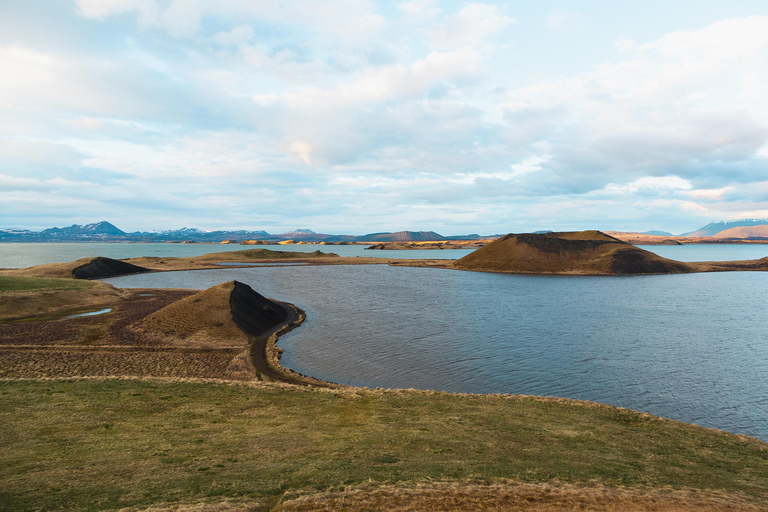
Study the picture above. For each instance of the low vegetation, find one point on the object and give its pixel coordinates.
(33, 298)
(165, 439)
(16, 284)
(577, 252)
(40, 339)
(111, 444)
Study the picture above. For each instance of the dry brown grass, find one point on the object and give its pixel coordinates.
(203, 320)
(16, 305)
(515, 496)
(183, 341)
(56, 270)
(508, 496)
(582, 252)
(105, 361)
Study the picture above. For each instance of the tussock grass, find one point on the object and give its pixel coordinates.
(110, 444)
(514, 496)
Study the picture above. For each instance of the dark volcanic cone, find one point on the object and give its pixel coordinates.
(102, 268)
(577, 252)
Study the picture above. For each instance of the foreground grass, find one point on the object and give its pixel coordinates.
(16, 284)
(102, 445)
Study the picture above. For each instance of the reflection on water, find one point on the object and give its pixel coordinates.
(689, 347)
(89, 313)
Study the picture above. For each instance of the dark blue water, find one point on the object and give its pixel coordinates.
(689, 347)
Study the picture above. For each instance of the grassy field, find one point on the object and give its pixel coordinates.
(16, 284)
(111, 444)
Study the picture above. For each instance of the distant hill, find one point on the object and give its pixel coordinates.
(577, 252)
(106, 232)
(102, 228)
(760, 231)
(713, 228)
(401, 236)
(657, 233)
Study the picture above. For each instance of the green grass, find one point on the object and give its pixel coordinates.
(13, 284)
(103, 445)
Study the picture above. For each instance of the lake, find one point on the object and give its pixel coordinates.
(17, 255)
(688, 347)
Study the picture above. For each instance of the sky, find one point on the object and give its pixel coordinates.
(357, 116)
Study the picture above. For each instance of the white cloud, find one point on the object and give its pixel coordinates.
(353, 20)
(711, 194)
(147, 11)
(419, 11)
(235, 37)
(675, 106)
(470, 26)
(301, 150)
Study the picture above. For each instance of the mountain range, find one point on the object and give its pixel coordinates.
(106, 232)
(733, 229)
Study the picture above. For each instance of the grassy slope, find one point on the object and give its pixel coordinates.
(14, 283)
(96, 445)
(579, 252)
(40, 297)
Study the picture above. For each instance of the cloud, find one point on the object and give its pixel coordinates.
(419, 11)
(237, 36)
(148, 12)
(353, 20)
(683, 106)
(246, 113)
(470, 26)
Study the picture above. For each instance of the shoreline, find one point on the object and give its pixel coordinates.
(263, 354)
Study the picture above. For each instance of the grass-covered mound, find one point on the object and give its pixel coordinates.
(111, 444)
(221, 316)
(103, 268)
(580, 252)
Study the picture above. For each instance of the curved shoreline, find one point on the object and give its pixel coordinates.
(263, 354)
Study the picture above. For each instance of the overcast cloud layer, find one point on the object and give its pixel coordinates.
(355, 116)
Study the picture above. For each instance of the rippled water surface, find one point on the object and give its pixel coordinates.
(688, 347)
